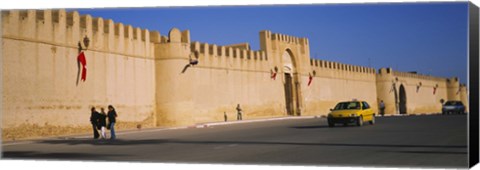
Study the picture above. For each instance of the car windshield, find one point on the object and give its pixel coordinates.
(347, 106)
(453, 103)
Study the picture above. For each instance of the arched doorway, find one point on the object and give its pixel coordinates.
(290, 84)
(402, 100)
(396, 97)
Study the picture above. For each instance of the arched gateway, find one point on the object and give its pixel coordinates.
(402, 100)
(291, 84)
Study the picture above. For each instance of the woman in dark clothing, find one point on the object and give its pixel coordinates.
(94, 120)
(112, 115)
(102, 122)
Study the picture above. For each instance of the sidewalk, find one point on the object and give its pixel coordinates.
(204, 125)
(199, 125)
(130, 131)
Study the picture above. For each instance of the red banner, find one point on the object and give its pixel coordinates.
(81, 58)
(273, 75)
(310, 78)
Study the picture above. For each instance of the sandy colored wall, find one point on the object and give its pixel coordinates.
(335, 82)
(420, 96)
(40, 95)
(228, 76)
(144, 75)
(223, 78)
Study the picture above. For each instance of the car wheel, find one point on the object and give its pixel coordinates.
(373, 120)
(330, 122)
(360, 121)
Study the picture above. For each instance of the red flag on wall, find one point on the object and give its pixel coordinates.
(434, 90)
(81, 58)
(310, 78)
(273, 75)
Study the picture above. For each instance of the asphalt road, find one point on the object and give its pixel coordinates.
(410, 141)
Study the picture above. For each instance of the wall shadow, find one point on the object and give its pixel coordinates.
(435, 152)
(310, 127)
(60, 156)
(121, 142)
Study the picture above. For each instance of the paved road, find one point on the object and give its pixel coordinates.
(413, 141)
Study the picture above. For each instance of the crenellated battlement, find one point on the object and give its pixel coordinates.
(323, 64)
(391, 72)
(227, 51)
(228, 56)
(62, 28)
(288, 39)
(418, 76)
(269, 40)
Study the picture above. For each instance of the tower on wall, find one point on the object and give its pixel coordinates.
(171, 88)
(291, 55)
(386, 90)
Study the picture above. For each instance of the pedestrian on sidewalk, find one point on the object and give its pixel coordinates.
(102, 122)
(382, 108)
(112, 116)
(94, 121)
(239, 112)
(225, 116)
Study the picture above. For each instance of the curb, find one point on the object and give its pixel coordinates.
(206, 125)
(413, 114)
(119, 133)
(201, 125)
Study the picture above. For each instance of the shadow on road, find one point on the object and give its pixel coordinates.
(350, 125)
(433, 152)
(68, 156)
(310, 127)
(120, 142)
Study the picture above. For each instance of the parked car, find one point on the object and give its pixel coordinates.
(354, 111)
(453, 107)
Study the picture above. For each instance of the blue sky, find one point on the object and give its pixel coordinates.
(430, 38)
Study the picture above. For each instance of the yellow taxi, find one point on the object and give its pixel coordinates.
(353, 111)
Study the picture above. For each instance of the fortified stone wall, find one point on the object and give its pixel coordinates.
(150, 80)
(334, 82)
(420, 93)
(40, 93)
(223, 78)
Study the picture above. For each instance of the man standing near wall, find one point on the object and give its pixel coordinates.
(112, 116)
(382, 108)
(94, 120)
(239, 112)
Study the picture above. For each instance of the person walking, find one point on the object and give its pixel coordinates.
(239, 112)
(225, 116)
(112, 115)
(382, 108)
(94, 120)
(102, 122)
